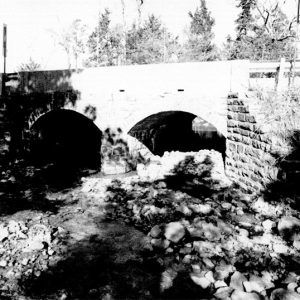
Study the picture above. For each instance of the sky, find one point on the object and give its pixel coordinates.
(31, 23)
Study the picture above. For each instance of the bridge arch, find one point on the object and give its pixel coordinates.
(65, 137)
(177, 131)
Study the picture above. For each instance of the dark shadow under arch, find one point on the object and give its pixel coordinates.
(65, 138)
(177, 131)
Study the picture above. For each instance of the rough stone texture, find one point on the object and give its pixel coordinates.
(174, 232)
(4, 135)
(282, 294)
(249, 161)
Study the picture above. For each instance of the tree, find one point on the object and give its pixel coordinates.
(123, 36)
(31, 65)
(200, 46)
(78, 39)
(139, 8)
(72, 40)
(263, 32)
(105, 43)
(150, 43)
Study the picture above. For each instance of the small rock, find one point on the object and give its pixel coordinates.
(239, 212)
(296, 244)
(267, 279)
(185, 250)
(196, 268)
(244, 232)
(268, 225)
(187, 259)
(240, 295)
(226, 205)
(258, 280)
(282, 294)
(184, 210)
(13, 226)
(204, 209)
(287, 226)
(258, 229)
(236, 281)
(223, 293)
(280, 248)
(292, 286)
(220, 283)
(3, 233)
(160, 243)
(3, 263)
(24, 261)
(252, 286)
(50, 252)
(201, 281)
(210, 276)
(223, 271)
(174, 232)
(12, 179)
(167, 279)
(208, 262)
(155, 231)
(33, 245)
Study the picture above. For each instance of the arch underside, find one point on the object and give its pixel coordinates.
(177, 131)
(65, 137)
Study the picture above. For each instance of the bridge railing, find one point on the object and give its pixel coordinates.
(272, 67)
(284, 72)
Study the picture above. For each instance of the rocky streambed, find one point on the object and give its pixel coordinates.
(177, 229)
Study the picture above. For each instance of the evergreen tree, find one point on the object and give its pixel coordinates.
(150, 43)
(200, 46)
(263, 33)
(105, 43)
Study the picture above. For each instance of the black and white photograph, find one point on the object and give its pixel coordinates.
(149, 149)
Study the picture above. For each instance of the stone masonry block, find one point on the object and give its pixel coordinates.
(231, 146)
(243, 109)
(250, 119)
(231, 123)
(241, 117)
(246, 126)
(246, 140)
(240, 148)
(244, 132)
(233, 96)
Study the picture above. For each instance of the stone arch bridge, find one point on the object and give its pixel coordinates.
(133, 99)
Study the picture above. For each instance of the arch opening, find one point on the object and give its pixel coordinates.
(66, 139)
(177, 131)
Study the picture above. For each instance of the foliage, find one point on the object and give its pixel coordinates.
(31, 65)
(72, 40)
(281, 113)
(105, 43)
(263, 33)
(200, 46)
(150, 43)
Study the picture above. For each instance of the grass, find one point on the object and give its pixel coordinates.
(281, 114)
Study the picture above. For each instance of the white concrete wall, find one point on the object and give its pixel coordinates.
(149, 89)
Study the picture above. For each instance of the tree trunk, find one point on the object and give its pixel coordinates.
(123, 39)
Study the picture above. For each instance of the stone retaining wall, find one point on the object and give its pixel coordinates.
(249, 161)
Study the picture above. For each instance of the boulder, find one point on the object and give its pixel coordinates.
(283, 294)
(174, 231)
(288, 226)
(239, 295)
(236, 281)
